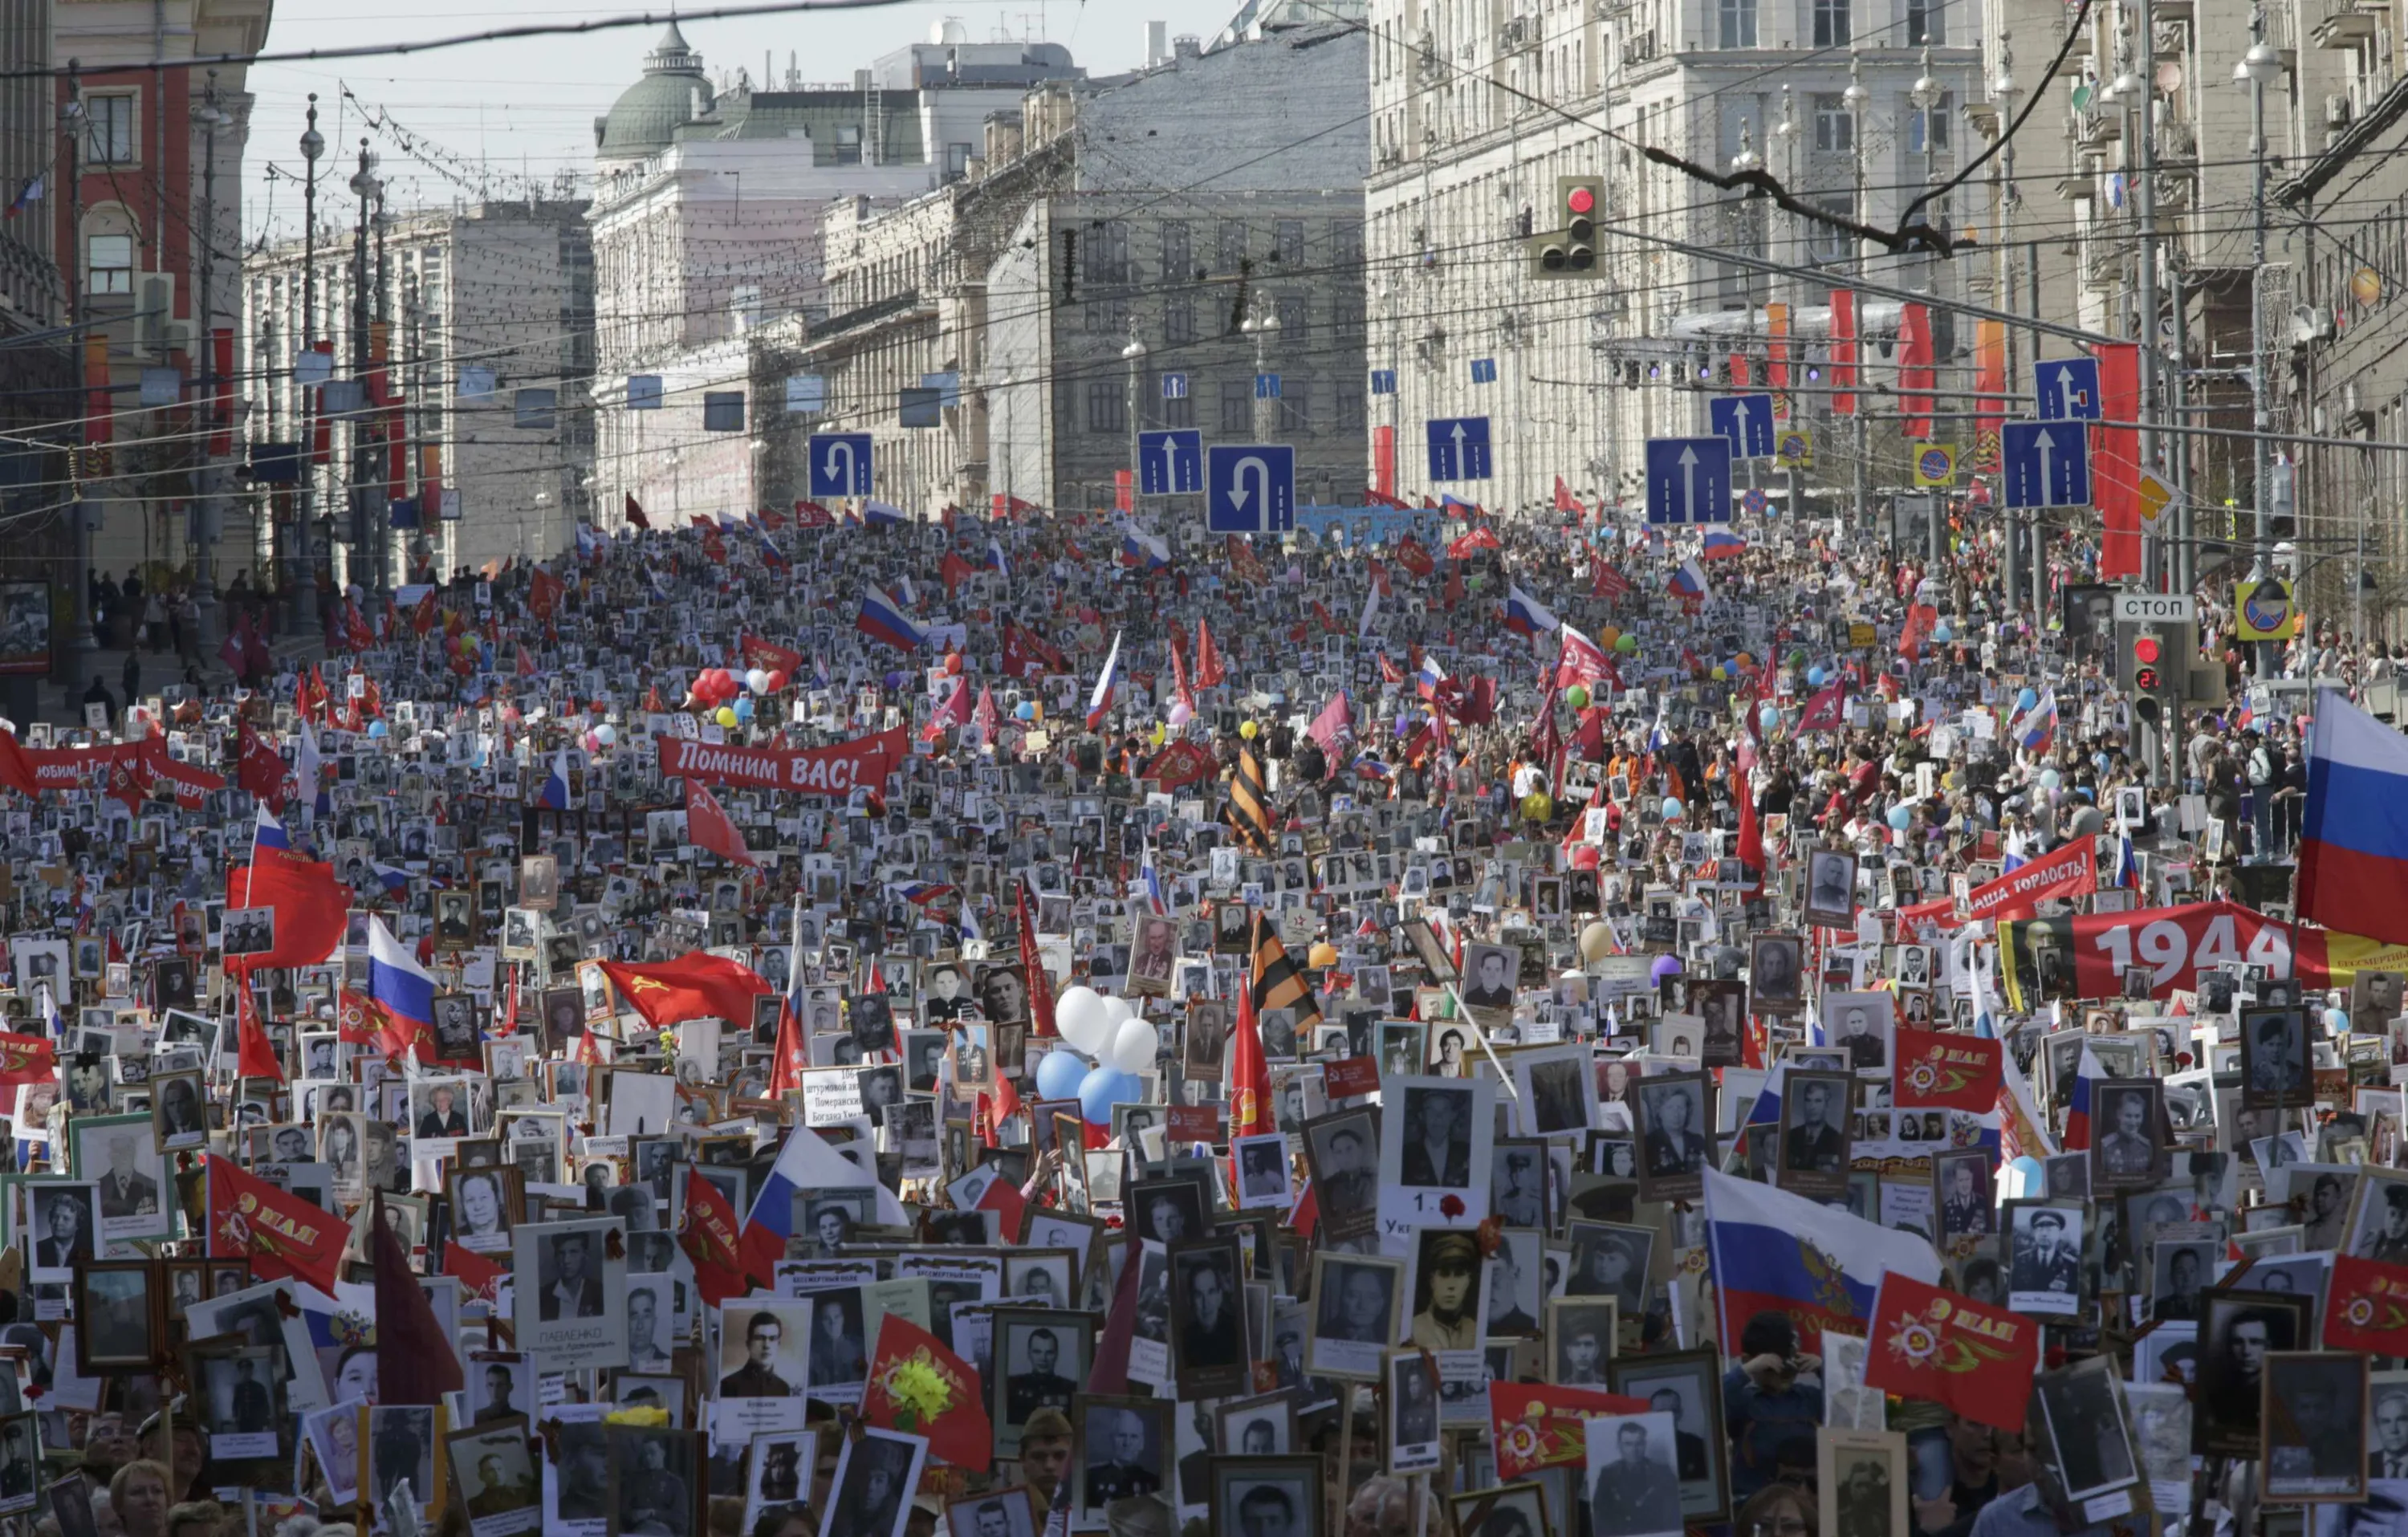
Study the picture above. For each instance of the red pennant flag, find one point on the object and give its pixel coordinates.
(277, 1231)
(1413, 557)
(1038, 983)
(707, 827)
(636, 513)
(478, 1274)
(712, 1238)
(1605, 581)
(1933, 1070)
(953, 570)
(1933, 1344)
(1250, 1071)
(918, 1386)
(688, 987)
(254, 1053)
(789, 1058)
(415, 1363)
(355, 1019)
(1540, 1426)
(259, 770)
(1210, 673)
(1826, 710)
(26, 1060)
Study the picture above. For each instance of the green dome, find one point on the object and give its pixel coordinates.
(650, 111)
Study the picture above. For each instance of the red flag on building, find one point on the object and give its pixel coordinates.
(1915, 374)
(1933, 1344)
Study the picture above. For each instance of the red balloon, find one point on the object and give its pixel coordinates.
(777, 682)
(953, 664)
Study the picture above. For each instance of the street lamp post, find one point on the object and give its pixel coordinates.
(1856, 97)
(1262, 324)
(213, 508)
(304, 581)
(2257, 69)
(1134, 355)
(1925, 95)
(81, 645)
(364, 187)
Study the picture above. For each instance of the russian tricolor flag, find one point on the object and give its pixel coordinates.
(396, 981)
(2077, 1117)
(1774, 1251)
(2033, 729)
(2354, 841)
(1100, 701)
(882, 514)
(1722, 543)
(1524, 614)
(808, 1163)
(1430, 679)
(994, 561)
(1689, 579)
(555, 785)
(882, 619)
(395, 879)
(1144, 550)
(270, 833)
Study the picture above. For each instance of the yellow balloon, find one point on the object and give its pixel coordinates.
(1248, 730)
(727, 715)
(1537, 806)
(1718, 673)
(1323, 955)
(1595, 942)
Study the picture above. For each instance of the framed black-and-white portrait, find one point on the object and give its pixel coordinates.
(403, 1443)
(495, 1474)
(2129, 1144)
(1687, 1385)
(1001, 1513)
(1413, 1404)
(1262, 1163)
(1831, 890)
(2090, 1431)
(63, 1227)
(1557, 1090)
(1859, 1025)
(877, 1474)
(1673, 1116)
(1041, 1358)
(1812, 1156)
(1436, 1136)
(1268, 1496)
(2316, 1426)
(658, 1481)
(1262, 1425)
(1580, 1339)
(1513, 1510)
(569, 1297)
(2237, 1331)
(1207, 1324)
(1776, 973)
(1126, 1452)
(1343, 1149)
(1634, 1485)
(1357, 1300)
(1964, 1188)
(2277, 1067)
(1489, 973)
(1861, 1483)
(2045, 1256)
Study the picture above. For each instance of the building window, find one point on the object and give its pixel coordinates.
(1292, 312)
(1296, 404)
(1346, 242)
(1179, 322)
(1178, 265)
(1835, 126)
(110, 137)
(1737, 24)
(1233, 244)
(1238, 407)
(1833, 23)
(111, 262)
(1105, 317)
(1350, 403)
(1927, 23)
(1291, 242)
(1107, 252)
(1180, 412)
(1938, 118)
(957, 160)
(1107, 406)
(848, 145)
(1829, 242)
(1346, 313)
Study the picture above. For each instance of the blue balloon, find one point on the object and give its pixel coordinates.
(1814, 677)
(1768, 716)
(2337, 1020)
(744, 709)
(376, 729)
(1673, 808)
(2048, 779)
(1104, 1088)
(2029, 1178)
(2026, 699)
(1900, 816)
(1942, 633)
(1060, 1073)
(1665, 965)
(1025, 710)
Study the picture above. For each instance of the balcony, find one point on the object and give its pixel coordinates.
(2348, 24)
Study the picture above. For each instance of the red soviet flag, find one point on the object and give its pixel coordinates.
(688, 987)
(707, 827)
(2366, 1306)
(918, 1386)
(281, 1234)
(709, 1237)
(26, 1060)
(254, 1053)
(260, 770)
(1934, 1069)
(1928, 1343)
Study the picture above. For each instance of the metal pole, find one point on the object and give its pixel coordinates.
(81, 645)
(304, 581)
(2152, 553)
(1856, 96)
(2002, 182)
(2261, 63)
(1134, 355)
(2039, 518)
(205, 588)
(379, 519)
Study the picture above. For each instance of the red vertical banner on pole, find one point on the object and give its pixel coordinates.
(1383, 461)
(2116, 459)
(1123, 491)
(1989, 391)
(1914, 371)
(1843, 353)
(1776, 365)
(1741, 378)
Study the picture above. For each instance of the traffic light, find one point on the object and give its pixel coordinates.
(1568, 248)
(2147, 676)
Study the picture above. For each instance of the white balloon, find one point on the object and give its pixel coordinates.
(1080, 1014)
(1134, 1045)
(757, 681)
(1119, 1010)
(606, 732)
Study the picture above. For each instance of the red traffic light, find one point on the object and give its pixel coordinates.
(1581, 200)
(2145, 679)
(2145, 649)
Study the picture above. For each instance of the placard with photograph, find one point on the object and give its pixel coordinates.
(2239, 1331)
(1674, 1115)
(777, 1476)
(1356, 1300)
(1343, 1149)
(574, 1314)
(1041, 1357)
(1268, 1496)
(1816, 1122)
(1687, 1385)
(2045, 1256)
(1861, 1482)
(1633, 1480)
(877, 1474)
(495, 1478)
(1207, 1326)
(1125, 1448)
(657, 1480)
(2090, 1435)
(1436, 1138)
(2316, 1425)
(764, 1366)
(1413, 1428)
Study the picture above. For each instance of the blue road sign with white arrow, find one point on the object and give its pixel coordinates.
(840, 464)
(1746, 420)
(2068, 388)
(1249, 488)
(1689, 480)
(2048, 463)
(1459, 448)
(1169, 463)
